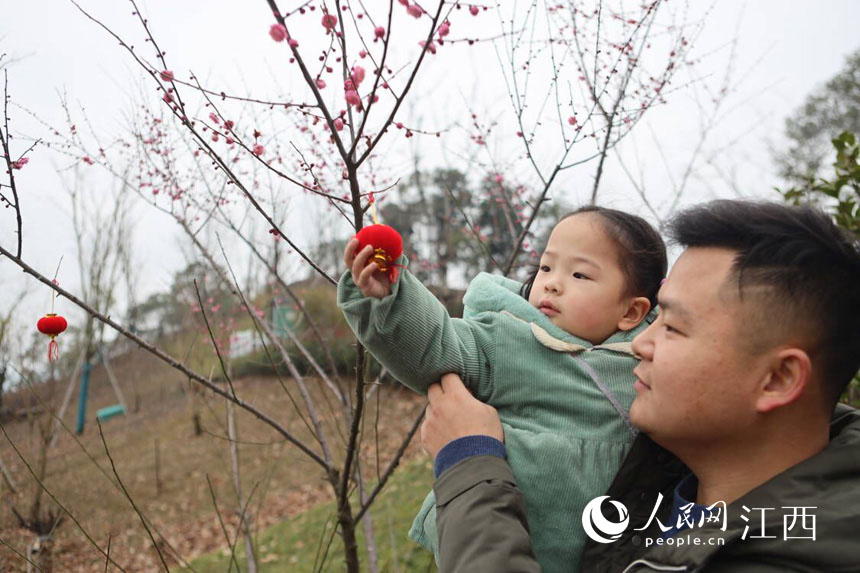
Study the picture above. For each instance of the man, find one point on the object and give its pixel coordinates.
(742, 463)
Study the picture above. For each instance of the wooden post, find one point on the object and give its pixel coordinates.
(113, 380)
(67, 398)
(7, 478)
(157, 470)
(237, 483)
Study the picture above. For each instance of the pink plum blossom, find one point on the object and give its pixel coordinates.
(258, 150)
(166, 76)
(415, 10)
(320, 83)
(329, 21)
(431, 47)
(473, 9)
(278, 32)
(293, 43)
(444, 29)
(352, 98)
(379, 32)
(18, 164)
(338, 124)
(357, 75)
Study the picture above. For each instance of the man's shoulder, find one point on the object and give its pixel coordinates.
(803, 519)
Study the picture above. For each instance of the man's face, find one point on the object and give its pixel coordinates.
(696, 384)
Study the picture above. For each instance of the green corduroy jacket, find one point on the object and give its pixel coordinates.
(565, 435)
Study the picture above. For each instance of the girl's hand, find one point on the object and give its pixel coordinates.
(368, 278)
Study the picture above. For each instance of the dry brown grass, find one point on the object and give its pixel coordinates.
(285, 482)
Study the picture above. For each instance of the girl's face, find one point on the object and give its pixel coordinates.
(580, 285)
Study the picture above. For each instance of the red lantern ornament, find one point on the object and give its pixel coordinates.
(386, 242)
(387, 247)
(52, 325)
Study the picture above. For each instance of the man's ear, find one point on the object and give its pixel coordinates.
(786, 379)
(636, 312)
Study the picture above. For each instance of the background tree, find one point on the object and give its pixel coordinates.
(839, 194)
(826, 113)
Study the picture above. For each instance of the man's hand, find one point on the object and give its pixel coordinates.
(454, 413)
(368, 278)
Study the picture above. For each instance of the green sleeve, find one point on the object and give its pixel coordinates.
(481, 519)
(410, 333)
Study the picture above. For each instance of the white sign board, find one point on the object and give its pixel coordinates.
(244, 342)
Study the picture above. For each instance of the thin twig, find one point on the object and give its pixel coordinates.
(86, 452)
(165, 357)
(129, 498)
(306, 397)
(18, 553)
(214, 342)
(233, 559)
(53, 497)
(392, 465)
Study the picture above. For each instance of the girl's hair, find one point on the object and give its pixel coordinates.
(641, 252)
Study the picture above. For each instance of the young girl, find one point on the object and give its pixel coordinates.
(552, 355)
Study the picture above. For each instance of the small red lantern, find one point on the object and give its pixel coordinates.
(52, 325)
(387, 243)
(387, 247)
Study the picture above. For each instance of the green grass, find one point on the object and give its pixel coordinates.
(298, 543)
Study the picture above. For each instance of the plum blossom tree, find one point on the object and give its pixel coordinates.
(579, 77)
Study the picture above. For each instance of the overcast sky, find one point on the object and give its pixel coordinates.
(784, 50)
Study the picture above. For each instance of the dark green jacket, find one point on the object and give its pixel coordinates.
(482, 523)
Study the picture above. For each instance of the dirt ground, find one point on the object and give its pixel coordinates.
(280, 479)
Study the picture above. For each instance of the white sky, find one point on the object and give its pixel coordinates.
(784, 50)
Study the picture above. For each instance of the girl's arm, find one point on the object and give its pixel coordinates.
(410, 333)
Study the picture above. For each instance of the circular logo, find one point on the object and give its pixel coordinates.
(600, 529)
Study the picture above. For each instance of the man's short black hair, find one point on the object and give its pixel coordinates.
(803, 271)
